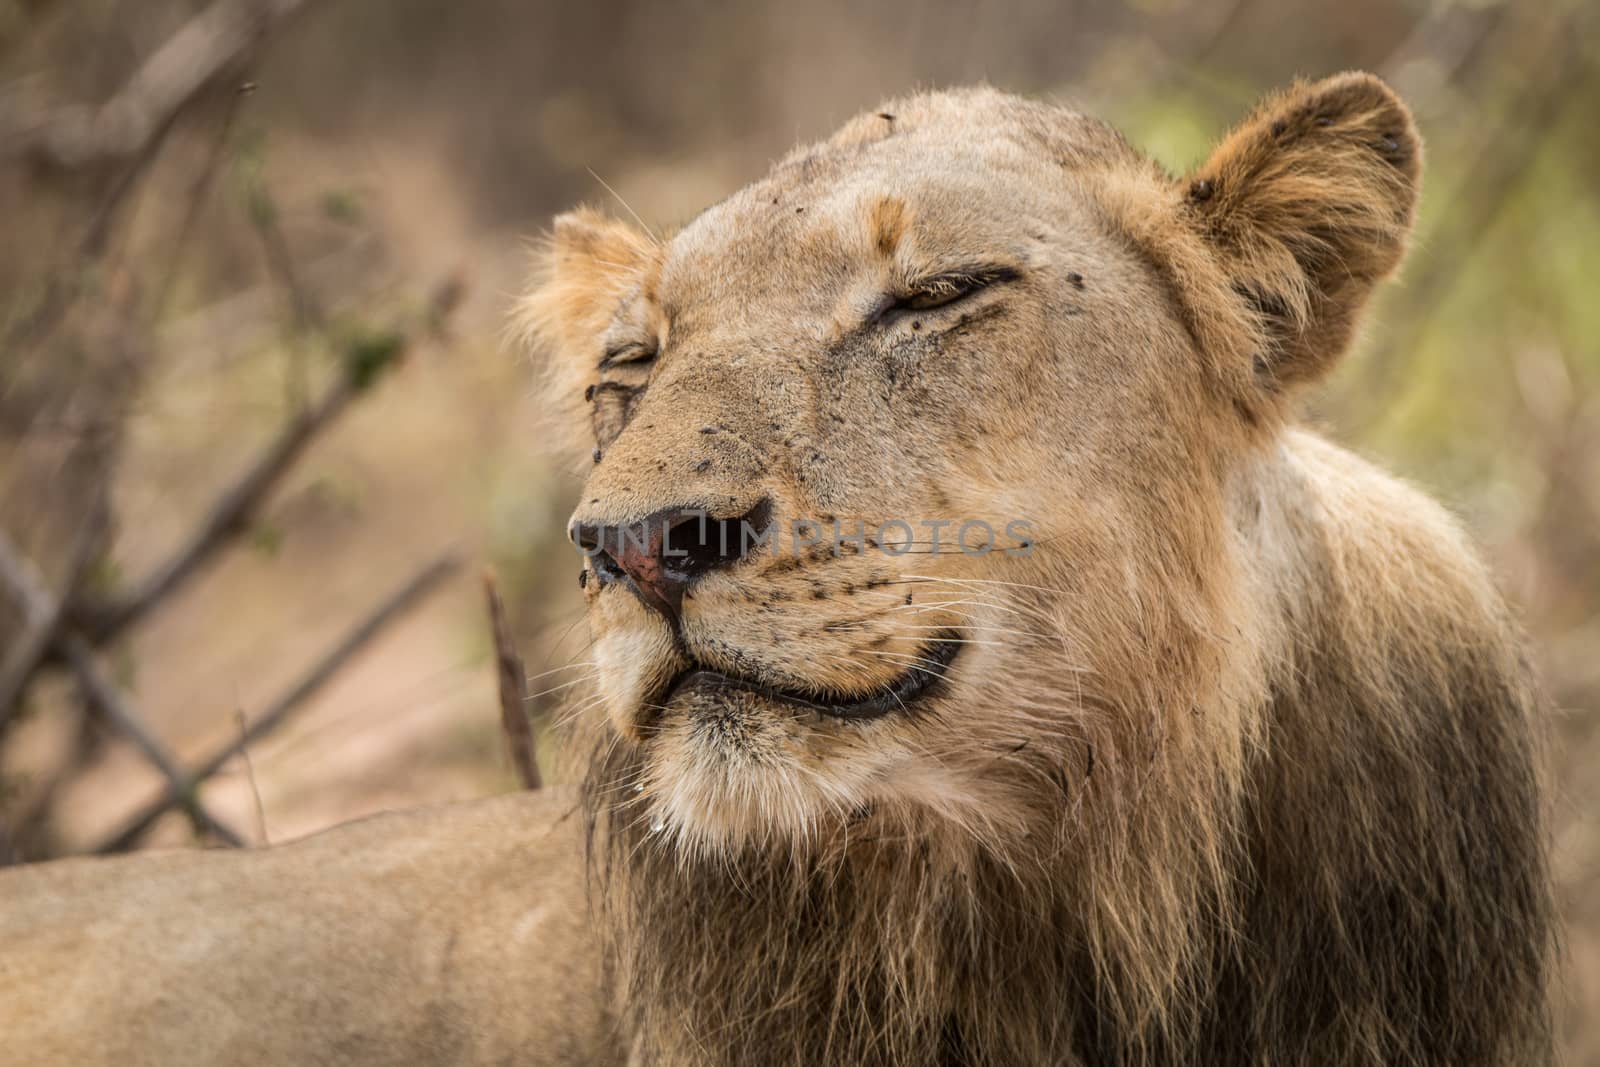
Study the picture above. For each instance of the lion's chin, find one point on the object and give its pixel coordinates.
(729, 760)
(725, 767)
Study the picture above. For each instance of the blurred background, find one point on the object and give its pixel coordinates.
(260, 427)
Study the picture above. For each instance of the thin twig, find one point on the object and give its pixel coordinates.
(28, 586)
(303, 309)
(406, 597)
(41, 616)
(30, 648)
(115, 707)
(513, 691)
(206, 47)
(97, 236)
(250, 775)
(365, 361)
(304, 314)
(63, 289)
(228, 517)
(217, 333)
(196, 197)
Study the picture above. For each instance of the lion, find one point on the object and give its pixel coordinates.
(987, 666)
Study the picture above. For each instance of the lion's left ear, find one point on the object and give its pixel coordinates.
(589, 265)
(1307, 204)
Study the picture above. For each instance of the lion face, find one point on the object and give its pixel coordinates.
(911, 461)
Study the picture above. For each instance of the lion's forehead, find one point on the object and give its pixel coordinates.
(817, 216)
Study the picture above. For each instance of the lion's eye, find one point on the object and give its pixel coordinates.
(627, 353)
(946, 289)
(929, 299)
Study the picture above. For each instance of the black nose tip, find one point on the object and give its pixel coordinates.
(662, 554)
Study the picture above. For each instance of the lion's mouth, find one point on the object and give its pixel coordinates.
(920, 677)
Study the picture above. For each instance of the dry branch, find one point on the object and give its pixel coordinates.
(207, 46)
(404, 598)
(214, 335)
(365, 359)
(303, 310)
(114, 706)
(28, 586)
(513, 691)
(230, 515)
(41, 619)
(39, 630)
(250, 774)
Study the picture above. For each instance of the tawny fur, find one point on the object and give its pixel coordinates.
(1237, 768)
(435, 937)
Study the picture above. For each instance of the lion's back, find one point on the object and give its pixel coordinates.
(411, 937)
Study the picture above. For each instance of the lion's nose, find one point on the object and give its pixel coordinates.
(662, 554)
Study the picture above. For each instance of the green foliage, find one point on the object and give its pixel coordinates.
(1512, 298)
(266, 538)
(249, 169)
(369, 353)
(103, 577)
(1176, 131)
(343, 205)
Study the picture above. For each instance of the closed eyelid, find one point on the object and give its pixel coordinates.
(973, 277)
(945, 288)
(627, 352)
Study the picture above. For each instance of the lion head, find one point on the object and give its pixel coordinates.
(947, 547)
(934, 427)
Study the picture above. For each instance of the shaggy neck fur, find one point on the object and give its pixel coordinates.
(1336, 860)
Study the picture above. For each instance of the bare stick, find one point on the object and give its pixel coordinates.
(228, 517)
(24, 657)
(366, 359)
(280, 260)
(44, 613)
(203, 50)
(250, 774)
(195, 200)
(513, 691)
(215, 334)
(406, 597)
(28, 586)
(304, 313)
(41, 619)
(115, 707)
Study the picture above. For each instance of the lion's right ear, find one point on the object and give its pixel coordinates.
(582, 273)
(1305, 206)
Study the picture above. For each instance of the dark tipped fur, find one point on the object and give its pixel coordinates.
(1386, 903)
